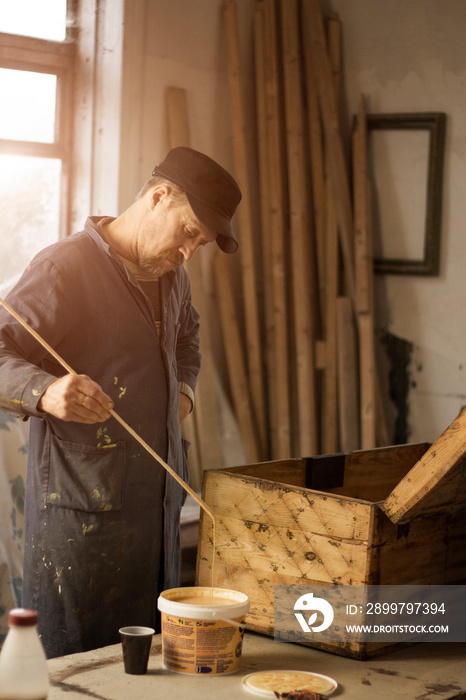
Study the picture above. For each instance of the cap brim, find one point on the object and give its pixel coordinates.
(215, 222)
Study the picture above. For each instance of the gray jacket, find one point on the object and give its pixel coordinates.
(102, 516)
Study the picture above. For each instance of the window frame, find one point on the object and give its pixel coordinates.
(57, 58)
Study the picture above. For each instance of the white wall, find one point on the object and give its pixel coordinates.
(410, 56)
(183, 45)
(130, 51)
(404, 56)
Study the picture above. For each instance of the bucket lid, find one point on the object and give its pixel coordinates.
(170, 602)
(270, 683)
(436, 482)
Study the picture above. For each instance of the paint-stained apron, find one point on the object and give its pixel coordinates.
(98, 506)
(94, 533)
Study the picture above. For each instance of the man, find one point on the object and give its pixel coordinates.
(102, 516)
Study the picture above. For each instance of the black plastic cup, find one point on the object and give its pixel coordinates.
(136, 643)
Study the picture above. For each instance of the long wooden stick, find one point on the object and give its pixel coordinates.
(178, 135)
(347, 377)
(253, 333)
(112, 412)
(264, 225)
(364, 282)
(203, 427)
(330, 405)
(279, 400)
(316, 154)
(336, 161)
(302, 252)
(234, 356)
(177, 116)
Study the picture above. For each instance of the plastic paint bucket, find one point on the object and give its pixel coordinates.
(204, 638)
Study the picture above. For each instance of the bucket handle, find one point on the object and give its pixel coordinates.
(241, 625)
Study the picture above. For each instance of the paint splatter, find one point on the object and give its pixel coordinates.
(86, 528)
(122, 391)
(104, 439)
(56, 495)
(58, 574)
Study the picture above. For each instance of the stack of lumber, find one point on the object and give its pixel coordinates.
(299, 338)
(207, 427)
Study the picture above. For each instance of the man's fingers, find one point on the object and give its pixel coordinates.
(77, 398)
(91, 403)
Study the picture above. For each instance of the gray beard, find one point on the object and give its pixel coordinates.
(155, 268)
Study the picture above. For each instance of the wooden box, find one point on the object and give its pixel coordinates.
(392, 515)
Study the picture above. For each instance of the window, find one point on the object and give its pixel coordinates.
(36, 74)
(43, 19)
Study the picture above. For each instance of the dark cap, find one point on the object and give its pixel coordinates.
(212, 193)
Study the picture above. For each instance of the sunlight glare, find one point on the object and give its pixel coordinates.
(43, 19)
(28, 113)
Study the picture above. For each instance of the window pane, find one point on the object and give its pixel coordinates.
(43, 19)
(29, 211)
(28, 105)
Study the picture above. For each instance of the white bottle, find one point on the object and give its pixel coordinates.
(23, 666)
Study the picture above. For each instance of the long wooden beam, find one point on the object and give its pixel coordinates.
(279, 400)
(202, 428)
(333, 139)
(302, 261)
(253, 332)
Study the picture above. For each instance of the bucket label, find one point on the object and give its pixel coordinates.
(200, 646)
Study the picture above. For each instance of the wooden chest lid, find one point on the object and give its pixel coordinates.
(437, 482)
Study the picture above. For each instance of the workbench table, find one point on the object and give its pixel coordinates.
(419, 672)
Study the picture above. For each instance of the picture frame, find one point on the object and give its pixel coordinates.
(430, 159)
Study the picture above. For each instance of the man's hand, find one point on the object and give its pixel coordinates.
(76, 398)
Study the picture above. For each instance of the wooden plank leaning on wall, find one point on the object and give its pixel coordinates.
(253, 334)
(302, 262)
(202, 428)
(279, 396)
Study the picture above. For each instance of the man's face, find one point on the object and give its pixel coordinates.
(170, 234)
